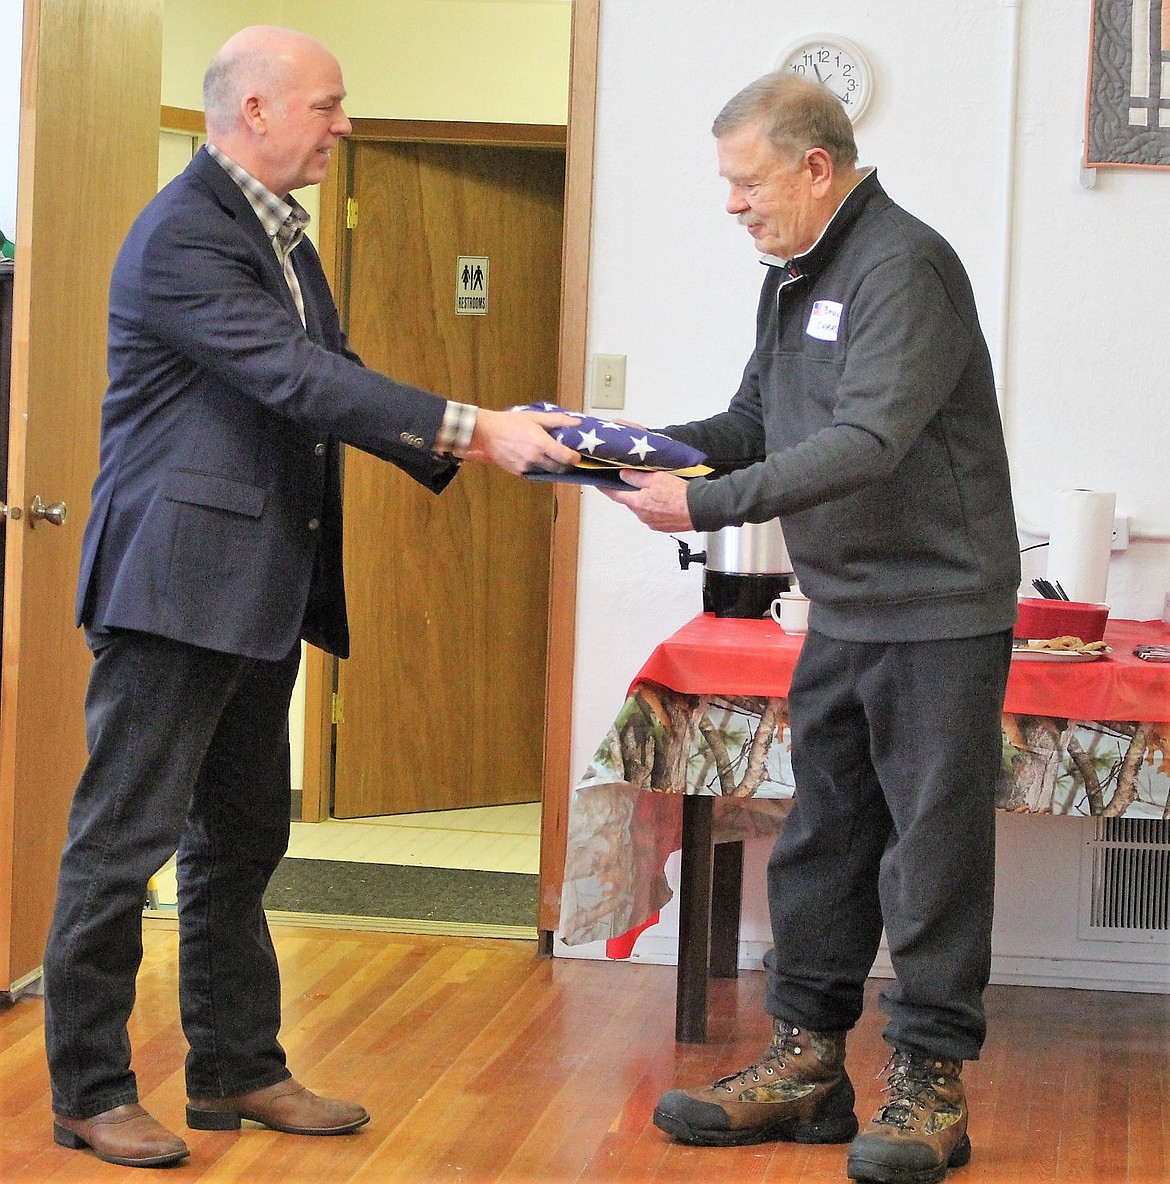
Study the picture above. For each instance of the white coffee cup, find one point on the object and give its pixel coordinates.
(790, 612)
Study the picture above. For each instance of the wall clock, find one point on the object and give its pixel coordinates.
(835, 62)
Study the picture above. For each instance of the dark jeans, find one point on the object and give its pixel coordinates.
(188, 751)
(895, 749)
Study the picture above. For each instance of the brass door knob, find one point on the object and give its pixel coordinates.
(53, 513)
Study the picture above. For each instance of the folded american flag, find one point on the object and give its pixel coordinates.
(605, 443)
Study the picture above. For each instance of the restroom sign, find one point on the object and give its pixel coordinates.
(471, 286)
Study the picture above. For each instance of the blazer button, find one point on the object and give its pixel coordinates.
(314, 524)
(319, 450)
(411, 439)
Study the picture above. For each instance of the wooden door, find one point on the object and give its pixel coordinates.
(88, 158)
(443, 698)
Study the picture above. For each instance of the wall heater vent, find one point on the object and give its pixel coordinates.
(1126, 880)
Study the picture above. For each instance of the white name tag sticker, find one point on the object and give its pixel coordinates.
(824, 320)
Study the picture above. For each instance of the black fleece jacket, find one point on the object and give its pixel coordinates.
(866, 420)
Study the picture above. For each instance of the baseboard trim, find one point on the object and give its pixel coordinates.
(1007, 970)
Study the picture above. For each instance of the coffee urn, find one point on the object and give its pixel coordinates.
(745, 568)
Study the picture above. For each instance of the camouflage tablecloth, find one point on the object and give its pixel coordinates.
(625, 815)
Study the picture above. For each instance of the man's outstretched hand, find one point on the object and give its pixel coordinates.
(520, 440)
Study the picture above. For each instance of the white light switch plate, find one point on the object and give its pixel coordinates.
(609, 382)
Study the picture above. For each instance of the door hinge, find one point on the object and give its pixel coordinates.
(351, 213)
(338, 711)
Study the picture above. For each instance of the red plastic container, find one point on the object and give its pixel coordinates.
(1042, 619)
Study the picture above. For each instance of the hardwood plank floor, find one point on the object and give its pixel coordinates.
(483, 1064)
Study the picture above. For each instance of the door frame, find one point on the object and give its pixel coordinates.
(558, 776)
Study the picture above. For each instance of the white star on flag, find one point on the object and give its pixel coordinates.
(610, 442)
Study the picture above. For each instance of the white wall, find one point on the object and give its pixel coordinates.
(674, 280)
(1070, 281)
(1038, 939)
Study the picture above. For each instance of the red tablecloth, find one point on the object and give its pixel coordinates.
(718, 684)
(732, 656)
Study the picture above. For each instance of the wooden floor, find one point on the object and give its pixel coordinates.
(484, 1064)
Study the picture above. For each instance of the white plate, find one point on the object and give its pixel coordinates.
(1031, 654)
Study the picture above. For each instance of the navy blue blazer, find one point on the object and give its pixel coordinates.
(216, 513)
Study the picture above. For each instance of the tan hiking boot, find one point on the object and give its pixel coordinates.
(798, 1092)
(920, 1130)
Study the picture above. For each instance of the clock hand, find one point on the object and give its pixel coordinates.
(817, 72)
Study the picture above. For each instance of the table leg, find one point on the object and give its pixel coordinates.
(694, 920)
(726, 897)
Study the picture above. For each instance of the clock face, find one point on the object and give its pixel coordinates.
(836, 63)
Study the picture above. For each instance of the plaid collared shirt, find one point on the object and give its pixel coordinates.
(284, 222)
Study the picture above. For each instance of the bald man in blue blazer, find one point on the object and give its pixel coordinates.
(212, 549)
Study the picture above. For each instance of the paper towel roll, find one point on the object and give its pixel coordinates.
(1080, 542)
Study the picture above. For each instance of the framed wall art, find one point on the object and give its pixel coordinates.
(1128, 108)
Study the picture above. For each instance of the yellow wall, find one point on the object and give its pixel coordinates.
(193, 30)
(491, 61)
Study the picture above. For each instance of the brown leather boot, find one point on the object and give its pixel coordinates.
(286, 1106)
(125, 1135)
(798, 1092)
(920, 1130)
